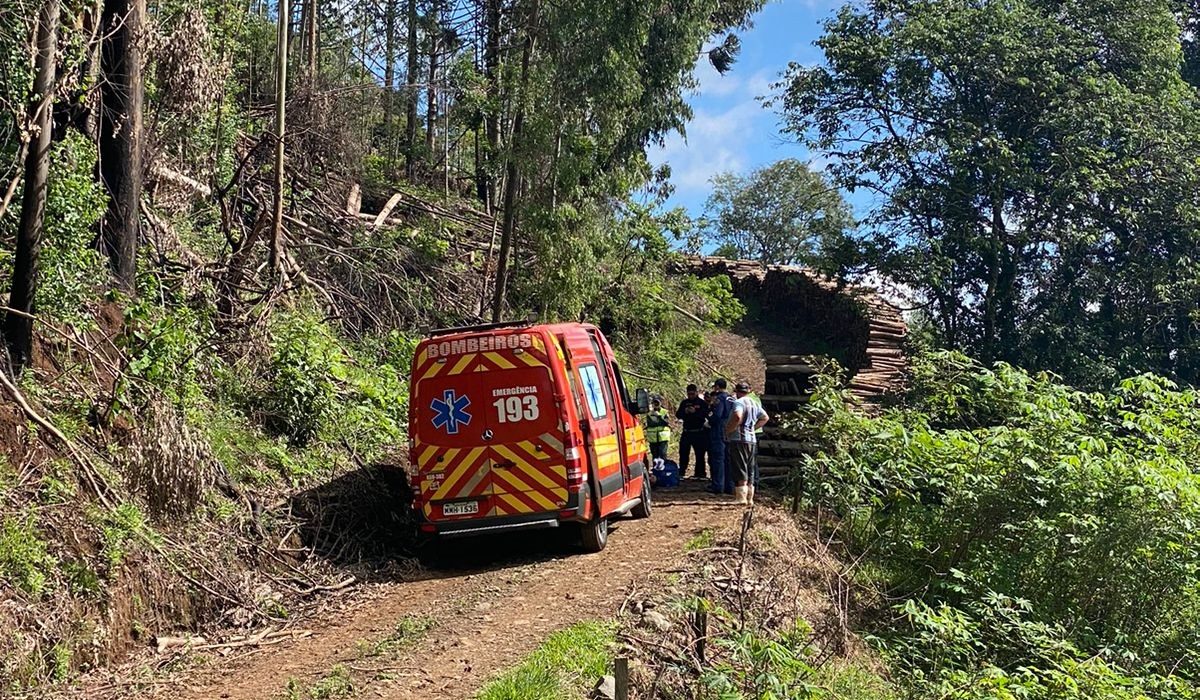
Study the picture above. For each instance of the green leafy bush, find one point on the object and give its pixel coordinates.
(24, 559)
(302, 374)
(318, 389)
(1041, 536)
(168, 347)
(72, 271)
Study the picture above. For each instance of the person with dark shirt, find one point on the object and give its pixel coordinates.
(722, 407)
(693, 411)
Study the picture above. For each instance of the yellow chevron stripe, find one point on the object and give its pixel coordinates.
(426, 455)
(462, 364)
(515, 505)
(537, 475)
(433, 370)
(449, 487)
(530, 360)
(499, 360)
(524, 489)
(534, 451)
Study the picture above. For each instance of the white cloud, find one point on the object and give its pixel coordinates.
(716, 142)
(712, 83)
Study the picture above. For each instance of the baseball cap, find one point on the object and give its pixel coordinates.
(742, 387)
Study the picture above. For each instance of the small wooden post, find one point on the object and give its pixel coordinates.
(621, 674)
(700, 623)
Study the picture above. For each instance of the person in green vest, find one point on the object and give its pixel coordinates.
(658, 429)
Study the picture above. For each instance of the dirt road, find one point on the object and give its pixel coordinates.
(493, 602)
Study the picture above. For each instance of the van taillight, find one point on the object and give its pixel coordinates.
(576, 469)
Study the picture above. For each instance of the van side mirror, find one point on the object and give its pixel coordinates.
(641, 404)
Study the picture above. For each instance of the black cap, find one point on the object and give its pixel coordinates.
(742, 388)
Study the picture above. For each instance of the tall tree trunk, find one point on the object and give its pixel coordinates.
(431, 94)
(390, 19)
(312, 11)
(412, 93)
(18, 323)
(281, 61)
(121, 135)
(491, 116)
(513, 178)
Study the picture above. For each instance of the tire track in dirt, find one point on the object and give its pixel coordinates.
(487, 617)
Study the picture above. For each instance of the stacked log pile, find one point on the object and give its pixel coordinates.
(819, 318)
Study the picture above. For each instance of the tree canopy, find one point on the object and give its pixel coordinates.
(784, 213)
(1036, 164)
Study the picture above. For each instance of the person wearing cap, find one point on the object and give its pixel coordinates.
(722, 407)
(658, 429)
(745, 418)
(693, 411)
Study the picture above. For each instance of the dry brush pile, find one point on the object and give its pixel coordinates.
(763, 611)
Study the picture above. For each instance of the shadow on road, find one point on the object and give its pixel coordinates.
(363, 522)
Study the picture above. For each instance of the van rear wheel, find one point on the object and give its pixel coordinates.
(642, 510)
(594, 534)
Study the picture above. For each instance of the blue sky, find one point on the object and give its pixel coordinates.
(731, 131)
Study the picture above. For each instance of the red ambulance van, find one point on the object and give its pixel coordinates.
(522, 426)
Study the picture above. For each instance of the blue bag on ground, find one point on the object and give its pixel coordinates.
(665, 474)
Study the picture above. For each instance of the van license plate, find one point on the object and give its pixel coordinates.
(467, 508)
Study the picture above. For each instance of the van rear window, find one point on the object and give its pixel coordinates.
(593, 391)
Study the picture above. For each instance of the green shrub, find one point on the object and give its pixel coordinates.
(306, 364)
(1019, 516)
(119, 527)
(24, 560)
(762, 665)
(168, 346)
(73, 273)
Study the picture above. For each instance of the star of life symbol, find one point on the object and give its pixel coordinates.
(450, 412)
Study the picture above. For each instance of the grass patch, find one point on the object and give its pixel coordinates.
(336, 684)
(564, 667)
(409, 630)
(853, 681)
(701, 540)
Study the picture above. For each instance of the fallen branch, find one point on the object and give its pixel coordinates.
(89, 470)
(681, 310)
(262, 639)
(641, 376)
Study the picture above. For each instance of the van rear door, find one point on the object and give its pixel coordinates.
(506, 456)
(451, 451)
(529, 473)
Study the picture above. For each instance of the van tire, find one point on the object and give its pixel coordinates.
(642, 510)
(594, 534)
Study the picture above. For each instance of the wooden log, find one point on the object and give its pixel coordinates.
(790, 369)
(774, 398)
(384, 213)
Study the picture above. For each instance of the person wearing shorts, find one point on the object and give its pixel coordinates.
(741, 442)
